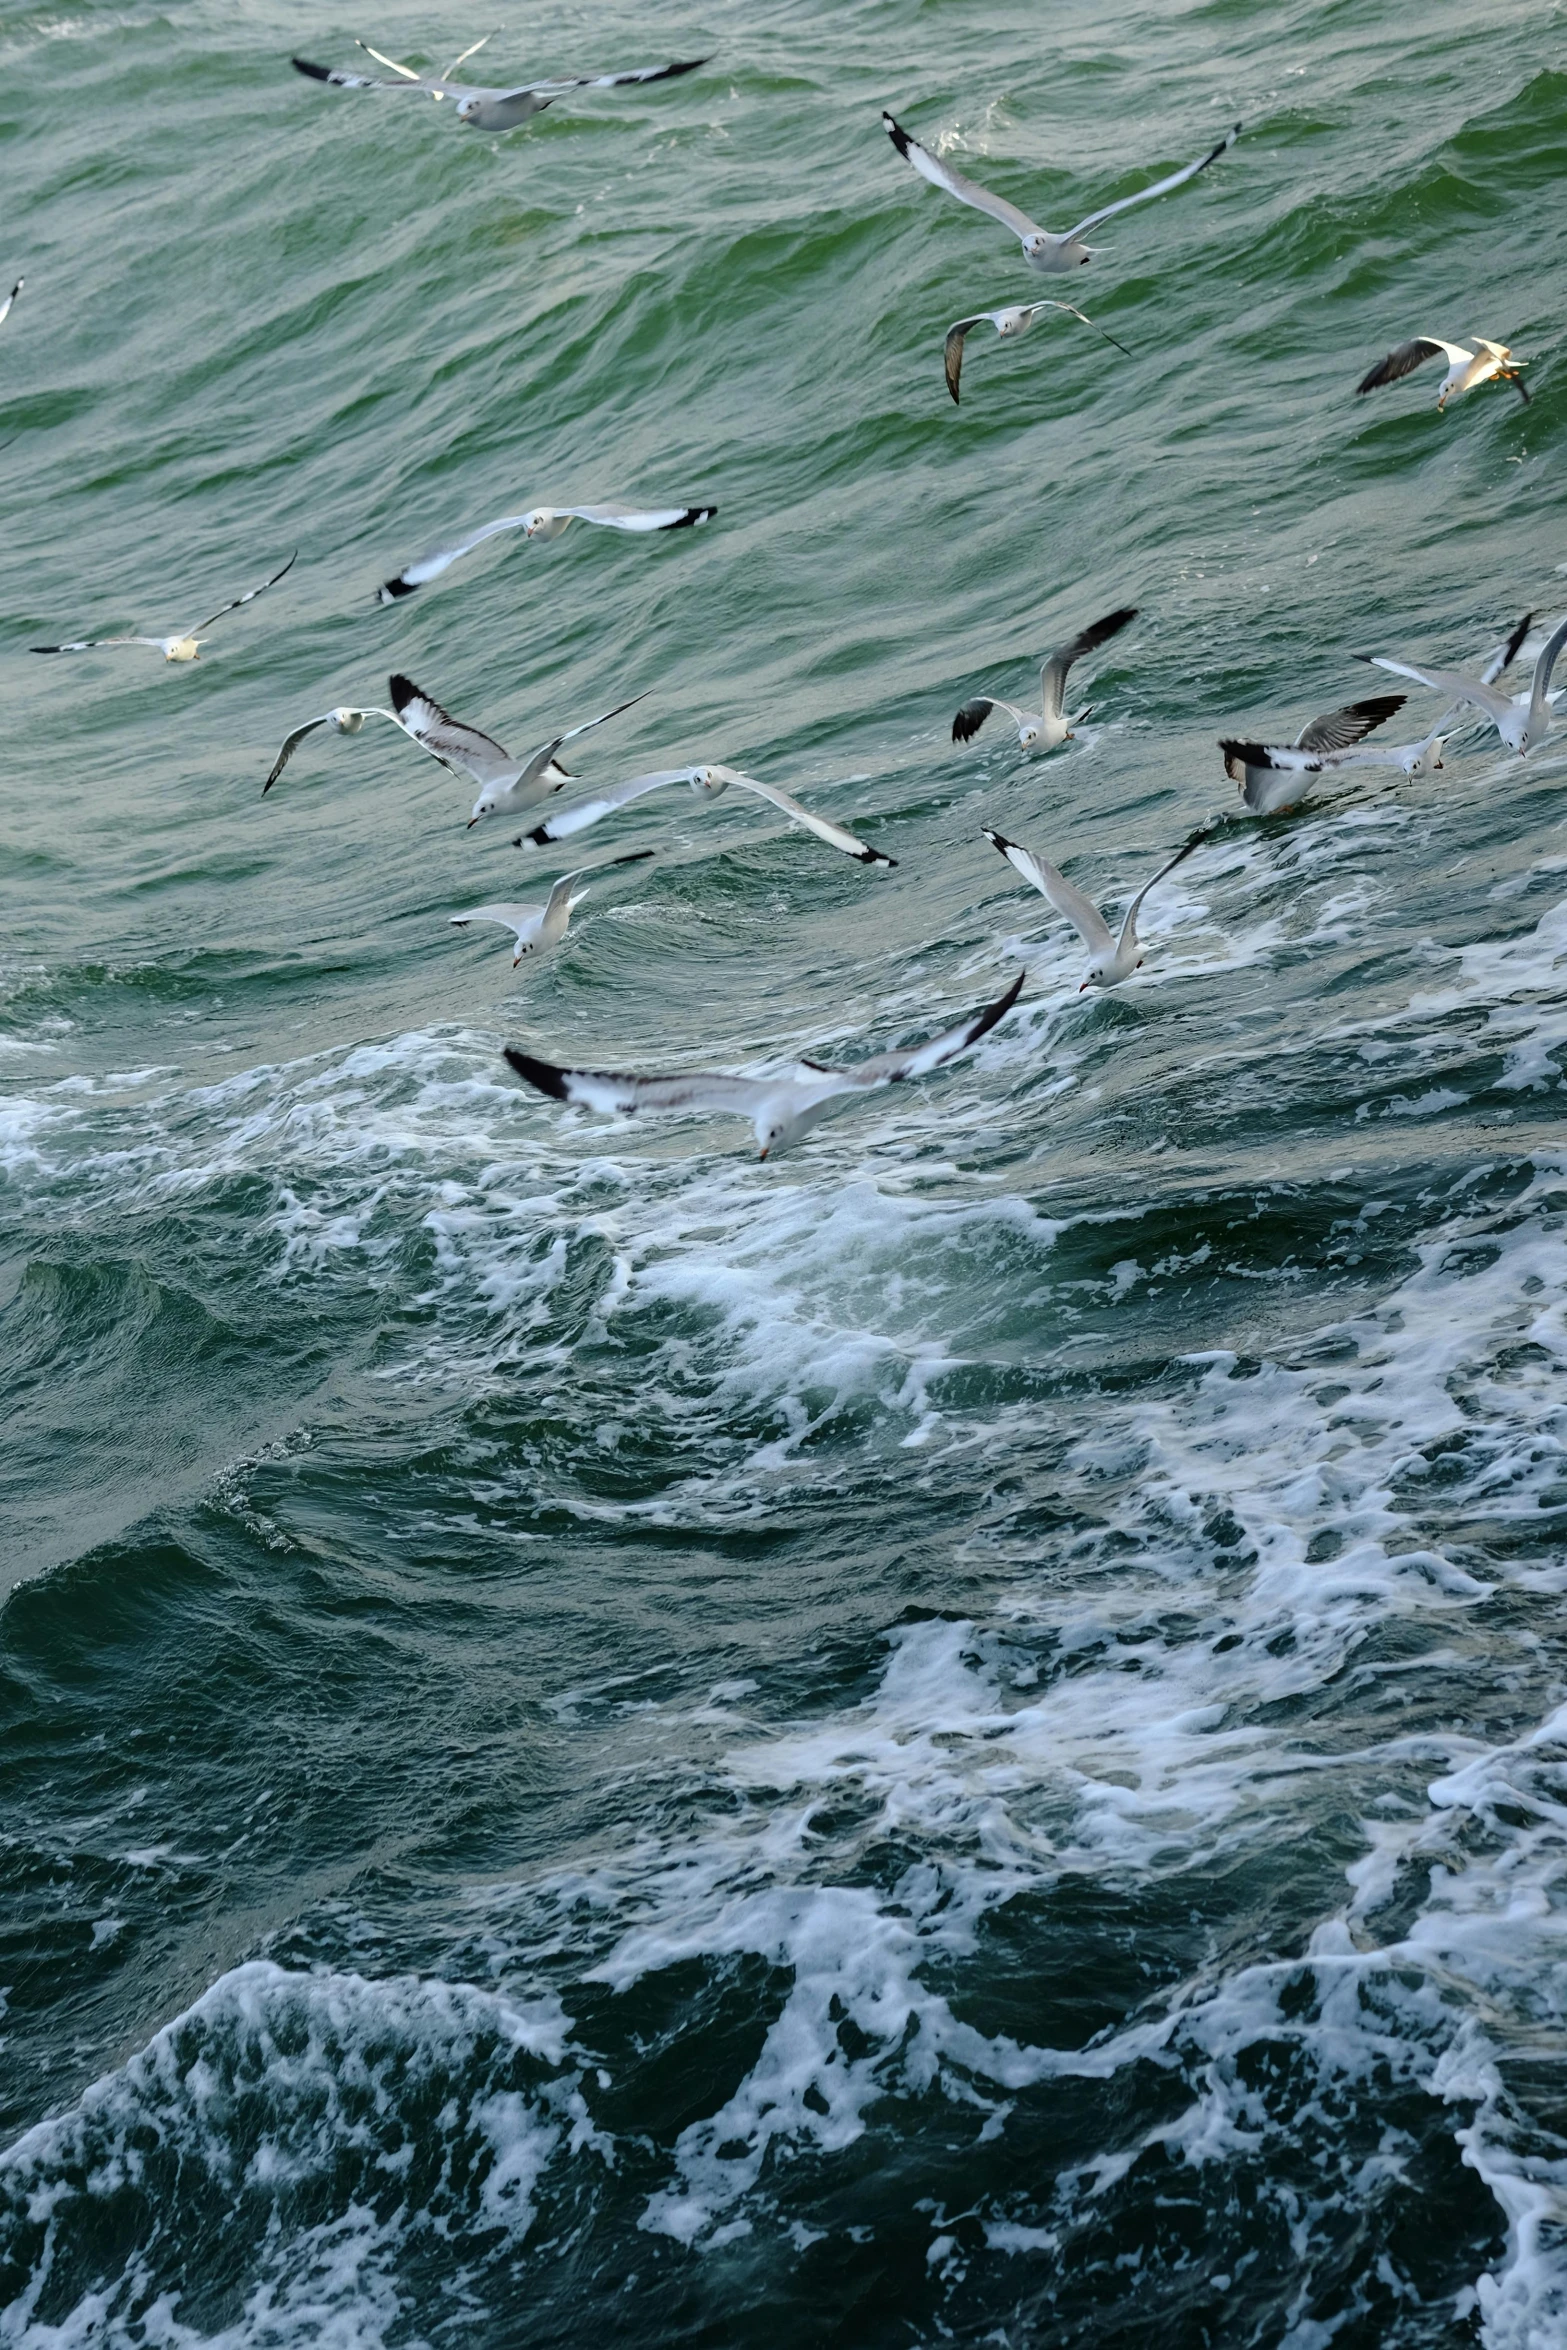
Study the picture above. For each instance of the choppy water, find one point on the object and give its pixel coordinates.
(958, 1739)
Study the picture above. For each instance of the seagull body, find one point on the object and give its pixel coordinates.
(5, 306)
(543, 522)
(781, 1108)
(708, 783)
(185, 644)
(1488, 362)
(488, 110)
(1009, 324)
(1281, 775)
(1051, 254)
(535, 927)
(1523, 720)
(1112, 958)
(1044, 729)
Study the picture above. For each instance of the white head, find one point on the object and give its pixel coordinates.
(485, 805)
(467, 108)
(1029, 732)
(708, 782)
(348, 721)
(182, 648)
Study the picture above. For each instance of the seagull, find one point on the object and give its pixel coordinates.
(508, 786)
(1486, 363)
(707, 783)
(5, 306)
(342, 720)
(544, 925)
(179, 647)
(1042, 730)
(1113, 959)
(782, 1108)
(1265, 782)
(488, 110)
(1009, 324)
(544, 522)
(1050, 254)
(1521, 721)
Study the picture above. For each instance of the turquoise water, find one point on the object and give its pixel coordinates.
(956, 1738)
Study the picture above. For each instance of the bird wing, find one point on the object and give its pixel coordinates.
(610, 81)
(616, 517)
(516, 919)
(1286, 757)
(1503, 659)
(1335, 730)
(1406, 358)
(1129, 918)
(447, 738)
(1456, 687)
(952, 350)
(249, 596)
(833, 834)
(1549, 653)
(91, 644)
(5, 306)
(568, 881)
(973, 714)
(628, 1092)
(341, 80)
(291, 743)
(1052, 677)
(942, 175)
(1162, 187)
(537, 762)
(1040, 874)
(427, 567)
(582, 813)
(918, 1060)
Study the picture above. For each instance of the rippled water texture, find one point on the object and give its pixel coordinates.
(961, 1737)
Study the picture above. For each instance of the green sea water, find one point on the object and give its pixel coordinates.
(961, 1737)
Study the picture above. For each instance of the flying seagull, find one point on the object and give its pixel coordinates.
(538, 926)
(1521, 721)
(488, 110)
(507, 786)
(1009, 324)
(183, 645)
(1042, 730)
(1050, 254)
(707, 783)
(1486, 363)
(782, 1108)
(5, 306)
(1280, 776)
(1112, 959)
(543, 522)
(342, 720)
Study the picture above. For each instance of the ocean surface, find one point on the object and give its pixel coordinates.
(959, 1737)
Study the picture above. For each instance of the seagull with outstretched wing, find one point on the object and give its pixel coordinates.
(1050, 253)
(782, 1108)
(542, 522)
(482, 109)
(1112, 958)
(1487, 363)
(708, 783)
(1043, 729)
(1009, 324)
(184, 644)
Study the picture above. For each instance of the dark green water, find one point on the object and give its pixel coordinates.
(959, 1738)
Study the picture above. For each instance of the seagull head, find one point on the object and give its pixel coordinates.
(348, 721)
(708, 782)
(1029, 733)
(183, 648)
(467, 108)
(485, 805)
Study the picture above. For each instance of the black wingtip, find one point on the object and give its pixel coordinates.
(542, 1074)
(317, 73)
(895, 132)
(998, 840)
(692, 516)
(997, 1011)
(1248, 754)
(391, 589)
(403, 691)
(874, 857)
(538, 838)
